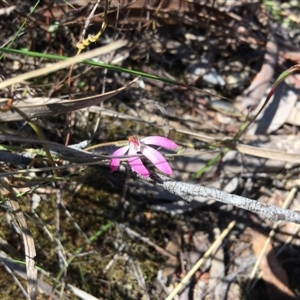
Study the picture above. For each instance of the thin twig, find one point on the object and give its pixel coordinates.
(213, 248)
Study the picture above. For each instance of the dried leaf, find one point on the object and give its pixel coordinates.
(272, 272)
(278, 109)
(174, 247)
(254, 93)
(41, 107)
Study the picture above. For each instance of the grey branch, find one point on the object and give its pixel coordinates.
(189, 191)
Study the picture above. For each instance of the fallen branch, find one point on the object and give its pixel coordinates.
(188, 192)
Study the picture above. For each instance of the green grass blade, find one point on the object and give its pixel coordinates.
(93, 63)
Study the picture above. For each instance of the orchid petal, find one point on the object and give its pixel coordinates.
(115, 162)
(157, 159)
(159, 141)
(136, 164)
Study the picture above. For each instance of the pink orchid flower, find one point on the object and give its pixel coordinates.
(135, 146)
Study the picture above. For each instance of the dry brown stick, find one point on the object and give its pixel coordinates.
(29, 246)
(211, 251)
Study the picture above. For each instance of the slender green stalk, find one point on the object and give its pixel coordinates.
(93, 63)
